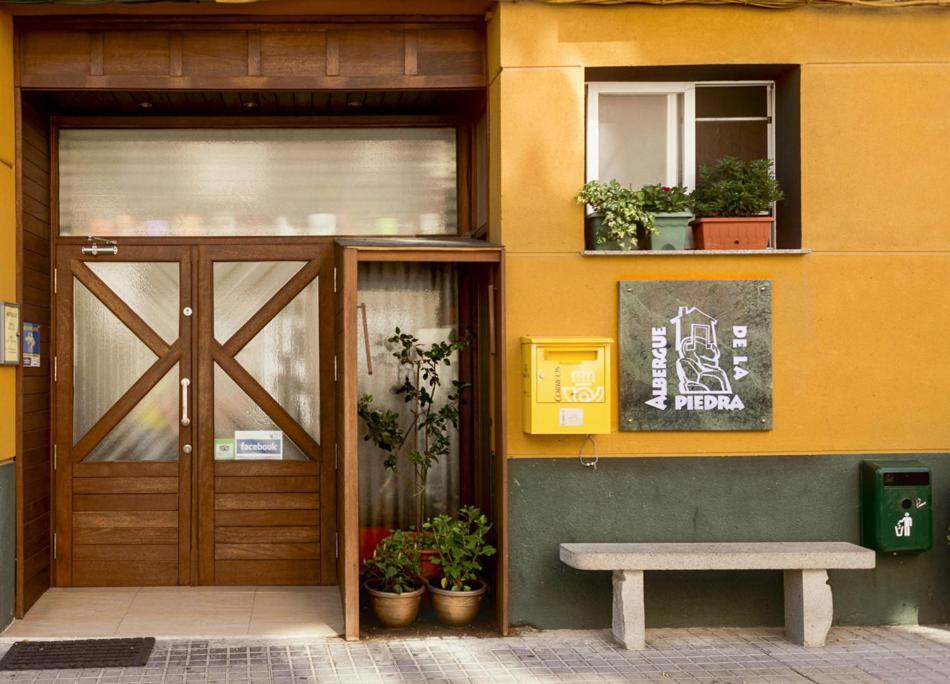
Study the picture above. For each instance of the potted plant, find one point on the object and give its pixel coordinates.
(424, 434)
(393, 581)
(732, 203)
(618, 220)
(669, 206)
(461, 544)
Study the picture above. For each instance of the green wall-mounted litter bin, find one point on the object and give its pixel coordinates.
(896, 506)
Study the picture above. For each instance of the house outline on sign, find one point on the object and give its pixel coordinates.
(697, 365)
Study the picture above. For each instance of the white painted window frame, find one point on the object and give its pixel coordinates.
(672, 90)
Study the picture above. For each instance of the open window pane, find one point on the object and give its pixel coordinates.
(743, 139)
(256, 181)
(633, 133)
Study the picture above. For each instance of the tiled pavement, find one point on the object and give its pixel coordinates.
(896, 654)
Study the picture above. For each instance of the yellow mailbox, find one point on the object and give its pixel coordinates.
(567, 385)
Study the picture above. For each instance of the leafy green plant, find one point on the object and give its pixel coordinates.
(424, 435)
(622, 209)
(461, 545)
(665, 199)
(395, 565)
(734, 187)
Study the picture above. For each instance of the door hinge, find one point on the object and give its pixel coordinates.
(55, 369)
(334, 369)
(55, 281)
(336, 544)
(55, 457)
(55, 545)
(334, 278)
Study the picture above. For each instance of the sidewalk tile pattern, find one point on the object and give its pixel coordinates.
(720, 656)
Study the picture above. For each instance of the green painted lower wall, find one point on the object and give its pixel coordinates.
(789, 498)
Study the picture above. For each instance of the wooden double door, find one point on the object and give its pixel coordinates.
(194, 415)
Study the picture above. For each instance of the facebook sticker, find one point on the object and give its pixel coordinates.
(258, 444)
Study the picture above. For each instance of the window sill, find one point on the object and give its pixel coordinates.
(696, 252)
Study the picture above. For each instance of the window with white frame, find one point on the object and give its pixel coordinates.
(642, 133)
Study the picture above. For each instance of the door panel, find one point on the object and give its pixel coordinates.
(264, 362)
(123, 479)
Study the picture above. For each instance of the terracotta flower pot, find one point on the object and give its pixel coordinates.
(429, 570)
(734, 232)
(395, 610)
(456, 608)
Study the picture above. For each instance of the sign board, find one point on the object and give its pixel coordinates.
(224, 449)
(695, 355)
(10, 342)
(258, 444)
(31, 345)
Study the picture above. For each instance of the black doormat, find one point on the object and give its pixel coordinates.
(74, 655)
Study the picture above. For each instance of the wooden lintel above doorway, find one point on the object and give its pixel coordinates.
(268, 56)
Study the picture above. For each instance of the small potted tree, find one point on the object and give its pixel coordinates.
(733, 202)
(669, 206)
(617, 220)
(461, 545)
(424, 434)
(393, 579)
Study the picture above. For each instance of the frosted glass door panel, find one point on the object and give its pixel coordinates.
(150, 289)
(633, 139)
(107, 359)
(235, 411)
(241, 288)
(149, 432)
(194, 182)
(284, 358)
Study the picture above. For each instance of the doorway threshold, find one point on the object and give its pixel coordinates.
(182, 613)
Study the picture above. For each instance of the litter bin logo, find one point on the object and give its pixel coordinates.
(698, 366)
(903, 526)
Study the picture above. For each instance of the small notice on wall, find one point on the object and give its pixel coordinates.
(31, 345)
(10, 342)
(696, 355)
(258, 444)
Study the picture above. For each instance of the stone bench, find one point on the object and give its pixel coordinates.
(808, 602)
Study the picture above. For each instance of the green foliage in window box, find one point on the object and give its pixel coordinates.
(461, 544)
(395, 564)
(734, 187)
(665, 199)
(424, 434)
(622, 209)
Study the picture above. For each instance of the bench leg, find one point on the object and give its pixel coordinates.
(629, 621)
(808, 607)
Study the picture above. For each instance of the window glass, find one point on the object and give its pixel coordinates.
(731, 101)
(717, 139)
(633, 132)
(253, 181)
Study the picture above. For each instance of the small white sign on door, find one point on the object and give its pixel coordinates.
(258, 444)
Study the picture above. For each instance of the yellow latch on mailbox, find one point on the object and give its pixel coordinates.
(567, 388)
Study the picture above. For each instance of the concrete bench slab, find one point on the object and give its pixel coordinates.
(808, 600)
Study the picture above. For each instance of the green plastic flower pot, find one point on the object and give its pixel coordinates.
(673, 231)
(592, 224)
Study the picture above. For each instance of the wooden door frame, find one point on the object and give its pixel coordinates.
(319, 254)
(349, 253)
(69, 261)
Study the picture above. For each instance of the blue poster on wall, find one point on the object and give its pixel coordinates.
(31, 345)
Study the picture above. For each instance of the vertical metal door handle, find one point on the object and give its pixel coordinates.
(185, 420)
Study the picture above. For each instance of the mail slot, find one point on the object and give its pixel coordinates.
(567, 388)
(896, 507)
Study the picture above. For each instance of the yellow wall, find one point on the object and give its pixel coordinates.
(7, 228)
(861, 326)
